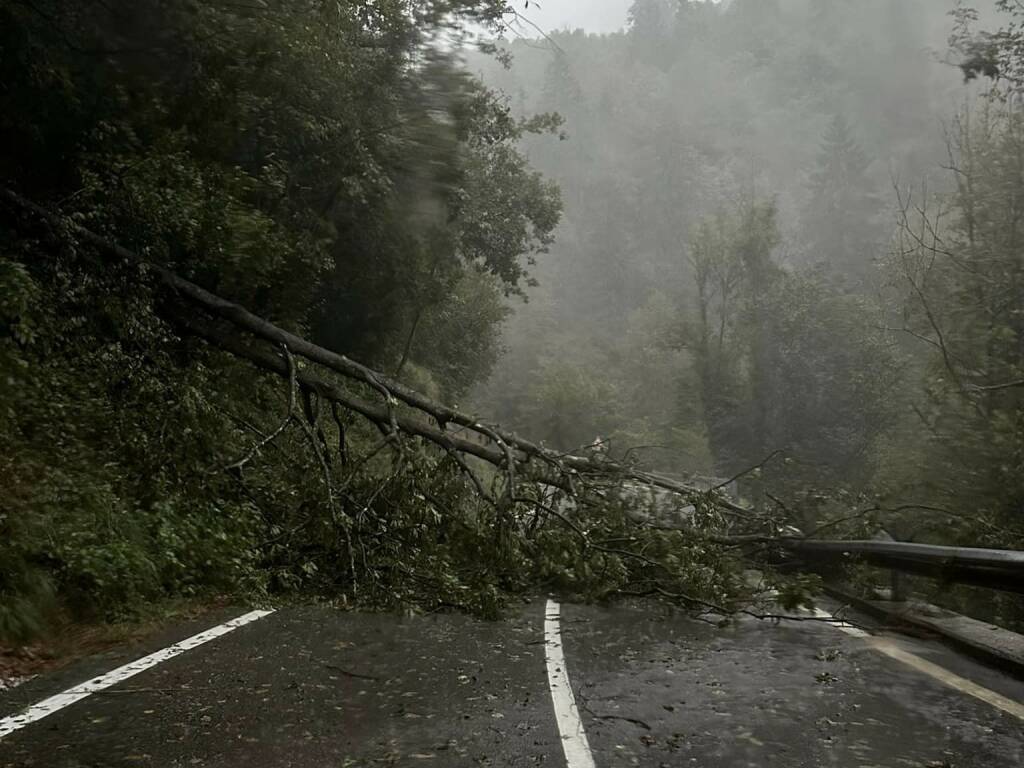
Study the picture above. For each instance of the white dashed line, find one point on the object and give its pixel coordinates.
(893, 651)
(56, 703)
(574, 738)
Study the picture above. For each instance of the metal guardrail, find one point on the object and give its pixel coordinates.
(993, 568)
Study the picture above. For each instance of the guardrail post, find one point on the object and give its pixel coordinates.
(898, 593)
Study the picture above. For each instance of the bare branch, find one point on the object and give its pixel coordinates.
(747, 471)
(238, 464)
(997, 387)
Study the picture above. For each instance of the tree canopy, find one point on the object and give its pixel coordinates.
(331, 166)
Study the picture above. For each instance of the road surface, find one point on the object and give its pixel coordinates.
(556, 686)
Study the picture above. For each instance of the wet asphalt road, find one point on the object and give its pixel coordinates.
(315, 687)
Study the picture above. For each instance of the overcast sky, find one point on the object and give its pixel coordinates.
(591, 15)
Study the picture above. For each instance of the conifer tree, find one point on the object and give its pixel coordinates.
(839, 220)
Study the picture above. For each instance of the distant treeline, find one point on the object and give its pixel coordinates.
(792, 233)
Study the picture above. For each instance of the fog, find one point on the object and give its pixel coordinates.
(591, 15)
(724, 286)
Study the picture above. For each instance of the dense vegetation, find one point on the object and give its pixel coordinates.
(736, 282)
(327, 164)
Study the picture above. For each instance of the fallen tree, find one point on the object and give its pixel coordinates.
(698, 559)
(509, 447)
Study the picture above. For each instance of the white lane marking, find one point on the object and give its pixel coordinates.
(893, 651)
(839, 624)
(574, 738)
(57, 702)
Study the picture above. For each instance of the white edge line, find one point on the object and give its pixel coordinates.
(59, 701)
(839, 624)
(567, 715)
(943, 675)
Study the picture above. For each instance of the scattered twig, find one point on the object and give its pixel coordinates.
(997, 387)
(346, 673)
(724, 611)
(633, 720)
(584, 704)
